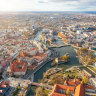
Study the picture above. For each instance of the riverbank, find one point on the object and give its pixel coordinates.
(37, 68)
(59, 52)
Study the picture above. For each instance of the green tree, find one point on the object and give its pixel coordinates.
(68, 91)
(85, 79)
(83, 50)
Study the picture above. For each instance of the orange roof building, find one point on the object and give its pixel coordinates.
(72, 82)
(4, 86)
(18, 67)
(31, 66)
(80, 90)
(60, 90)
(40, 57)
(62, 35)
(75, 89)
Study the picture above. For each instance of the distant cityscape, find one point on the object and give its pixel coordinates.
(48, 53)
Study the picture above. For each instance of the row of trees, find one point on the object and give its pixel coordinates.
(87, 56)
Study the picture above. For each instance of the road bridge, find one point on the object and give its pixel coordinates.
(42, 85)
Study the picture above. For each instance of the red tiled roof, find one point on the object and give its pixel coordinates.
(39, 56)
(33, 49)
(63, 87)
(63, 35)
(15, 64)
(58, 86)
(89, 87)
(32, 66)
(74, 82)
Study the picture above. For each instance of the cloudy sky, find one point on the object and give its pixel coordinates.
(47, 5)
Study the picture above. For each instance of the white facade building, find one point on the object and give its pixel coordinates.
(93, 81)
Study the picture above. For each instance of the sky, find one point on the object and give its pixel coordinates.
(47, 5)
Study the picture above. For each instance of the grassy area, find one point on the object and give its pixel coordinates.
(32, 90)
(41, 91)
(92, 68)
(71, 74)
(47, 92)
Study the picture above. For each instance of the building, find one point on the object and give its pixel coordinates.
(87, 74)
(18, 67)
(80, 90)
(33, 51)
(4, 86)
(61, 90)
(90, 88)
(93, 81)
(48, 52)
(62, 35)
(94, 65)
(39, 57)
(72, 82)
(71, 88)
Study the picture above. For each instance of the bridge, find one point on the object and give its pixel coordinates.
(35, 84)
(23, 82)
(41, 85)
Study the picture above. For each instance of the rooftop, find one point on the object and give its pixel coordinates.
(80, 90)
(60, 90)
(18, 66)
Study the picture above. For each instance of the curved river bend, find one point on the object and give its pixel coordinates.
(61, 51)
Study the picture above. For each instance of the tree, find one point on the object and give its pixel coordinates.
(90, 53)
(88, 62)
(68, 91)
(25, 87)
(94, 60)
(39, 91)
(83, 50)
(65, 57)
(57, 79)
(85, 79)
(85, 58)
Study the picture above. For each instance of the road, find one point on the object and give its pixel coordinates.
(10, 91)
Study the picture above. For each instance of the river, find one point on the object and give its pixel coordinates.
(61, 51)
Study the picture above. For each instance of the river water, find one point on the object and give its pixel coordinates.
(61, 51)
